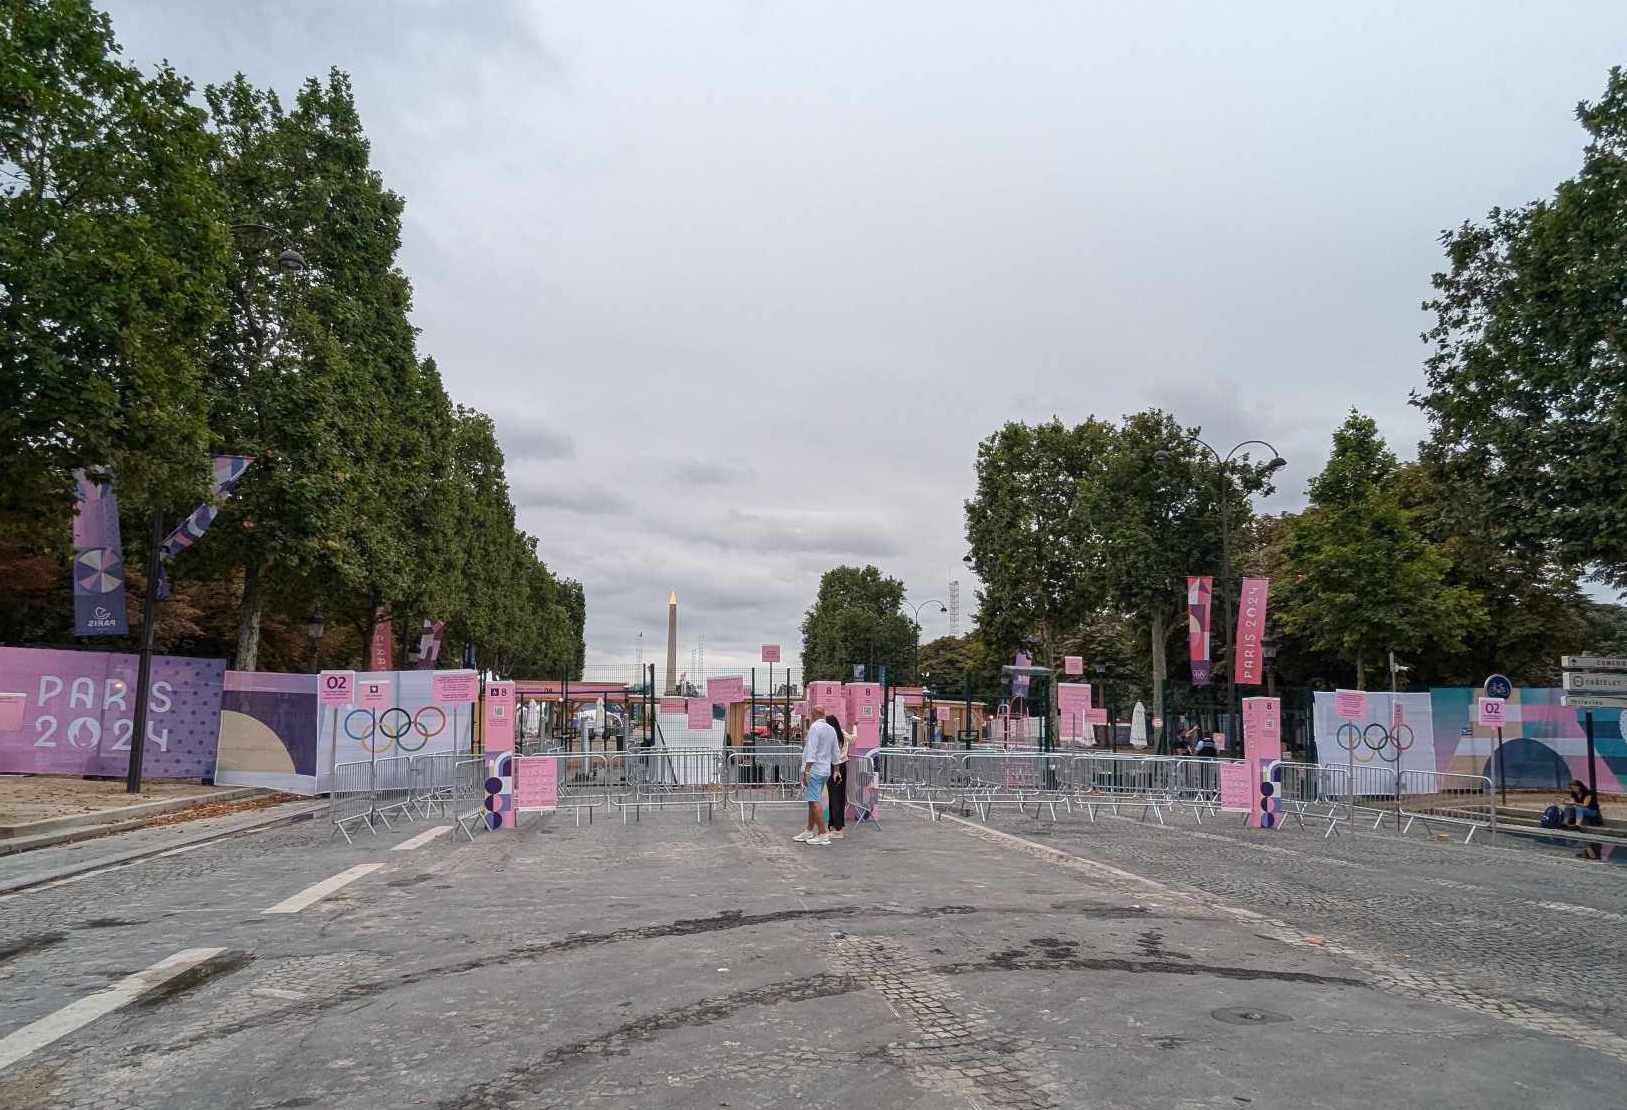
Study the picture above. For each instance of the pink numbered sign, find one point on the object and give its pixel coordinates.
(336, 688)
(450, 687)
(1493, 712)
(373, 695)
(700, 714)
(497, 722)
(1262, 728)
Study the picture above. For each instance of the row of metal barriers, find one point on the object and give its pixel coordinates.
(1158, 786)
(369, 794)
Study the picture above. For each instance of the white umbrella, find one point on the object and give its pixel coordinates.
(1138, 726)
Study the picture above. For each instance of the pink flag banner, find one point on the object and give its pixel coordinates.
(1250, 631)
(726, 690)
(228, 471)
(1199, 597)
(429, 645)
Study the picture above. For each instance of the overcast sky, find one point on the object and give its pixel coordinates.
(744, 283)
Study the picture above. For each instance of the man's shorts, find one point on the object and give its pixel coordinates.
(814, 791)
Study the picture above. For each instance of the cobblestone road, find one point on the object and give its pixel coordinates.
(916, 964)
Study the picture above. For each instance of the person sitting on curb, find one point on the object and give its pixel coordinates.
(1583, 808)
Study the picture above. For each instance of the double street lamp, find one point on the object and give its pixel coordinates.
(1225, 465)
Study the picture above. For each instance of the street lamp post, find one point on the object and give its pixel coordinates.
(916, 621)
(1223, 470)
(315, 625)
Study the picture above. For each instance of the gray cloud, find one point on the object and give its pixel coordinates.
(743, 286)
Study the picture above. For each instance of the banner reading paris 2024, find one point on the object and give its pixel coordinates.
(1250, 631)
(79, 713)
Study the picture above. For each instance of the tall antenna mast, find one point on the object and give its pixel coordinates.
(954, 607)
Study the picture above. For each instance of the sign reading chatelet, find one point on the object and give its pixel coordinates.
(1594, 681)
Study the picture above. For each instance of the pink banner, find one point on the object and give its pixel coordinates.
(699, 714)
(381, 651)
(1073, 664)
(1350, 705)
(726, 690)
(451, 687)
(1262, 728)
(1238, 784)
(497, 720)
(1199, 595)
(536, 782)
(671, 706)
(1250, 630)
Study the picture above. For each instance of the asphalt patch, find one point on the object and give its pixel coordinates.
(22, 946)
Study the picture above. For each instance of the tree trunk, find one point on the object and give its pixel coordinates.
(1158, 666)
(1361, 671)
(248, 619)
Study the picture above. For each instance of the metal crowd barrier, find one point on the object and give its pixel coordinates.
(760, 777)
(350, 797)
(989, 779)
(466, 794)
(392, 788)
(660, 777)
(1442, 797)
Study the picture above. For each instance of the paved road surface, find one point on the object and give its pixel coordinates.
(918, 964)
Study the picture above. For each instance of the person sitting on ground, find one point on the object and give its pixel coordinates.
(1583, 808)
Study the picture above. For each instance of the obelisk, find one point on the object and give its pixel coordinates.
(672, 642)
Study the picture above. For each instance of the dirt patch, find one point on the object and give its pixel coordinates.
(37, 797)
(221, 809)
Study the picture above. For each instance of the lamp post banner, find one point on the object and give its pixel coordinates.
(1250, 630)
(98, 561)
(1200, 594)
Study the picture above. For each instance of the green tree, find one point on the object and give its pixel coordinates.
(949, 662)
(314, 373)
(1360, 578)
(1157, 510)
(112, 250)
(1032, 543)
(1526, 382)
(855, 619)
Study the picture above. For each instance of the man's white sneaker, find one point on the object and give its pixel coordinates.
(821, 841)
(804, 836)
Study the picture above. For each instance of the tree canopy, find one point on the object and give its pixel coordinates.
(177, 281)
(855, 619)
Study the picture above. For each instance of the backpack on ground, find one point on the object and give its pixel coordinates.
(1551, 817)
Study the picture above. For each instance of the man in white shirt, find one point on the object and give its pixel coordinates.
(818, 753)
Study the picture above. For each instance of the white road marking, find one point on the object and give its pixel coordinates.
(422, 838)
(30, 1038)
(1583, 911)
(318, 891)
(278, 992)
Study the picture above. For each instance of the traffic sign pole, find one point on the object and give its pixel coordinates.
(1592, 773)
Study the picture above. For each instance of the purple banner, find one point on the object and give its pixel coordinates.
(429, 645)
(268, 732)
(228, 471)
(98, 561)
(1019, 682)
(80, 713)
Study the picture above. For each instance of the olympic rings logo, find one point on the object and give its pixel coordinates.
(394, 729)
(1374, 740)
